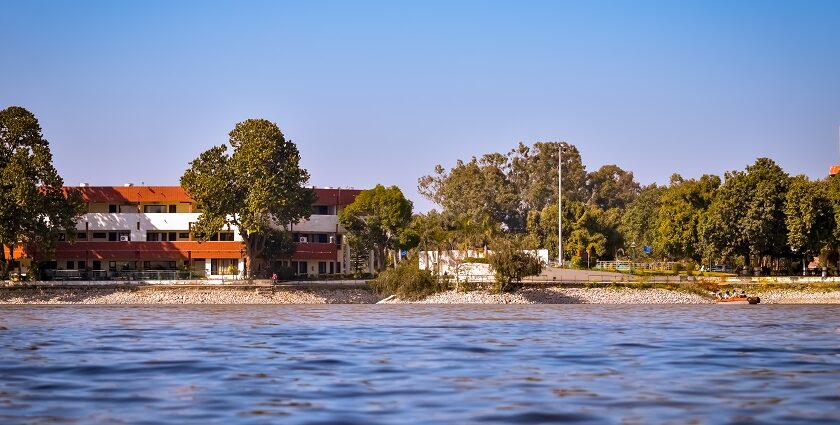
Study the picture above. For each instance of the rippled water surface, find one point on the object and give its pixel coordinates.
(426, 364)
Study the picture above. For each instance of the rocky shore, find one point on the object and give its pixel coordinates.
(265, 295)
(209, 295)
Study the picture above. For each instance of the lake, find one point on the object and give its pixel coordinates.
(598, 364)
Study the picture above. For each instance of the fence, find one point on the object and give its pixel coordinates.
(592, 278)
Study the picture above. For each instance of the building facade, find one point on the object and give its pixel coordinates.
(145, 232)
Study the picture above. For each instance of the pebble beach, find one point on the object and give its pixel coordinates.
(528, 295)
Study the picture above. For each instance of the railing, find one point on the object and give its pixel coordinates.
(126, 275)
(592, 278)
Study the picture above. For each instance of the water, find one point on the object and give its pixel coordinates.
(419, 364)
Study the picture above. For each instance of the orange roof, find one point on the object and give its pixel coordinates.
(132, 194)
(834, 169)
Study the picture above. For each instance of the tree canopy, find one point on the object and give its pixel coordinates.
(259, 187)
(378, 220)
(34, 208)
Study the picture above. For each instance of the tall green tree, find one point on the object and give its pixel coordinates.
(611, 187)
(682, 206)
(258, 188)
(640, 220)
(379, 216)
(747, 215)
(34, 208)
(809, 216)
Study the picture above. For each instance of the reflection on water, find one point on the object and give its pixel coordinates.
(398, 363)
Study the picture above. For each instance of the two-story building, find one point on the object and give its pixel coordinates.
(146, 232)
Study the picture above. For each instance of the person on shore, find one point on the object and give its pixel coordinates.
(274, 279)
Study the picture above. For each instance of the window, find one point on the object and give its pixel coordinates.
(81, 235)
(129, 208)
(154, 209)
(226, 236)
(173, 236)
(100, 235)
(323, 238)
(112, 208)
(302, 267)
(112, 266)
(183, 235)
(70, 265)
(97, 265)
(338, 240)
(332, 267)
(173, 208)
(112, 237)
(320, 210)
(322, 267)
(82, 265)
(152, 236)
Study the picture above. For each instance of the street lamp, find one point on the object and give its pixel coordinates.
(561, 146)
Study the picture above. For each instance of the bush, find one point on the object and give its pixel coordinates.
(476, 260)
(511, 265)
(577, 262)
(408, 282)
(677, 268)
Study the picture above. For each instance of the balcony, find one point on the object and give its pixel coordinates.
(128, 221)
(148, 251)
(318, 224)
(315, 251)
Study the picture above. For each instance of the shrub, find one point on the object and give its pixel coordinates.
(476, 260)
(408, 282)
(577, 262)
(511, 265)
(677, 268)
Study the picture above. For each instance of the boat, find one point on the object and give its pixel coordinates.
(738, 300)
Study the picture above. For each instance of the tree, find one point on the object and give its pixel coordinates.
(34, 208)
(611, 187)
(746, 216)
(682, 206)
(809, 216)
(510, 265)
(259, 187)
(378, 216)
(640, 220)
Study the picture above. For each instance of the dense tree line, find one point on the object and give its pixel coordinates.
(759, 217)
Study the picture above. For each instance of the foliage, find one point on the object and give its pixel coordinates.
(408, 282)
(640, 220)
(809, 216)
(682, 206)
(34, 208)
(511, 264)
(256, 188)
(746, 216)
(611, 187)
(378, 219)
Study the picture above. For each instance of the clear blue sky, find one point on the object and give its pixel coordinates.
(381, 92)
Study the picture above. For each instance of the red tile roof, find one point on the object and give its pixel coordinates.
(834, 170)
(132, 194)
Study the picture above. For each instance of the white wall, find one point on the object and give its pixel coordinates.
(148, 222)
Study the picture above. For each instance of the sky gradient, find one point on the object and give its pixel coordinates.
(381, 92)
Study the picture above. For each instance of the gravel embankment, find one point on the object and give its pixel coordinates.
(183, 296)
(221, 295)
(793, 296)
(566, 296)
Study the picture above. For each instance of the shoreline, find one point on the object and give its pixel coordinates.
(170, 295)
